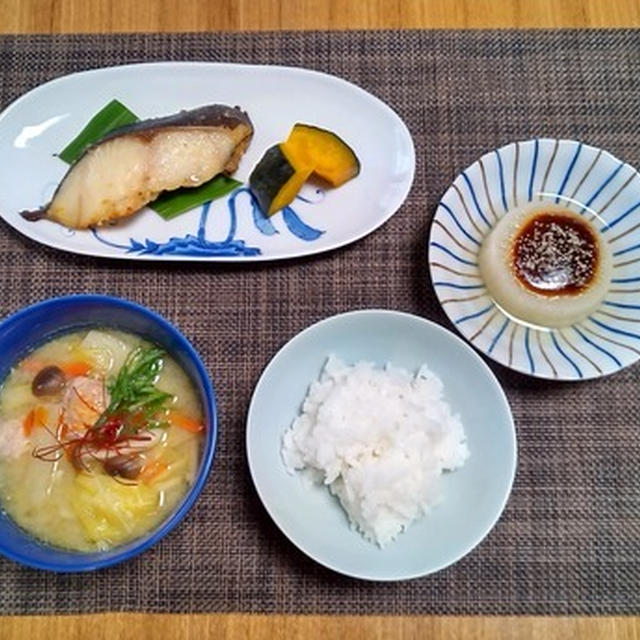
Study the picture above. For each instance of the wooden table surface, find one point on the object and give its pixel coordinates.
(104, 16)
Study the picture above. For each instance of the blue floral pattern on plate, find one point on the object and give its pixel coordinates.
(230, 246)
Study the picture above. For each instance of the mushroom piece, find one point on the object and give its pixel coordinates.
(49, 381)
(125, 466)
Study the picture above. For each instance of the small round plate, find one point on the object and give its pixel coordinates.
(585, 179)
(474, 495)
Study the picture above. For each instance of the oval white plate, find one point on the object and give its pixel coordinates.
(43, 121)
(474, 495)
(587, 180)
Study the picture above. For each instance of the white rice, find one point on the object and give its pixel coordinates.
(380, 439)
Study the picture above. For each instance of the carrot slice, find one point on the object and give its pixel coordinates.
(185, 422)
(37, 417)
(27, 423)
(76, 368)
(152, 470)
(40, 416)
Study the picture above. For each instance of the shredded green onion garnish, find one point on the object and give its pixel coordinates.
(133, 390)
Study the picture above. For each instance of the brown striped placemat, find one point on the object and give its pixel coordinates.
(569, 540)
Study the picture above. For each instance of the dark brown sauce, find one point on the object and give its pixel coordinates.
(555, 254)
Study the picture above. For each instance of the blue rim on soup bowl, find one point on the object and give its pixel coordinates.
(36, 324)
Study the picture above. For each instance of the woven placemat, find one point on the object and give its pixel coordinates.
(568, 541)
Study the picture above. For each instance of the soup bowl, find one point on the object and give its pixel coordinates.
(41, 322)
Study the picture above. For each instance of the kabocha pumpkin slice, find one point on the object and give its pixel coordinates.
(277, 178)
(332, 158)
(285, 167)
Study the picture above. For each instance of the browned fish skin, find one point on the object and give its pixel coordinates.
(132, 165)
(213, 115)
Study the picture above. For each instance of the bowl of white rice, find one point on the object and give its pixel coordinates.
(381, 445)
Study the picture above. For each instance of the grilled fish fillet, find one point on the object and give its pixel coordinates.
(132, 165)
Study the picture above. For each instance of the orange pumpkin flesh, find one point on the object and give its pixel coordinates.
(284, 168)
(332, 159)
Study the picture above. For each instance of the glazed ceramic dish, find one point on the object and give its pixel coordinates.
(39, 323)
(474, 495)
(594, 187)
(41, 123)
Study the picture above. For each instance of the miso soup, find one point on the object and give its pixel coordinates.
(100, 437)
